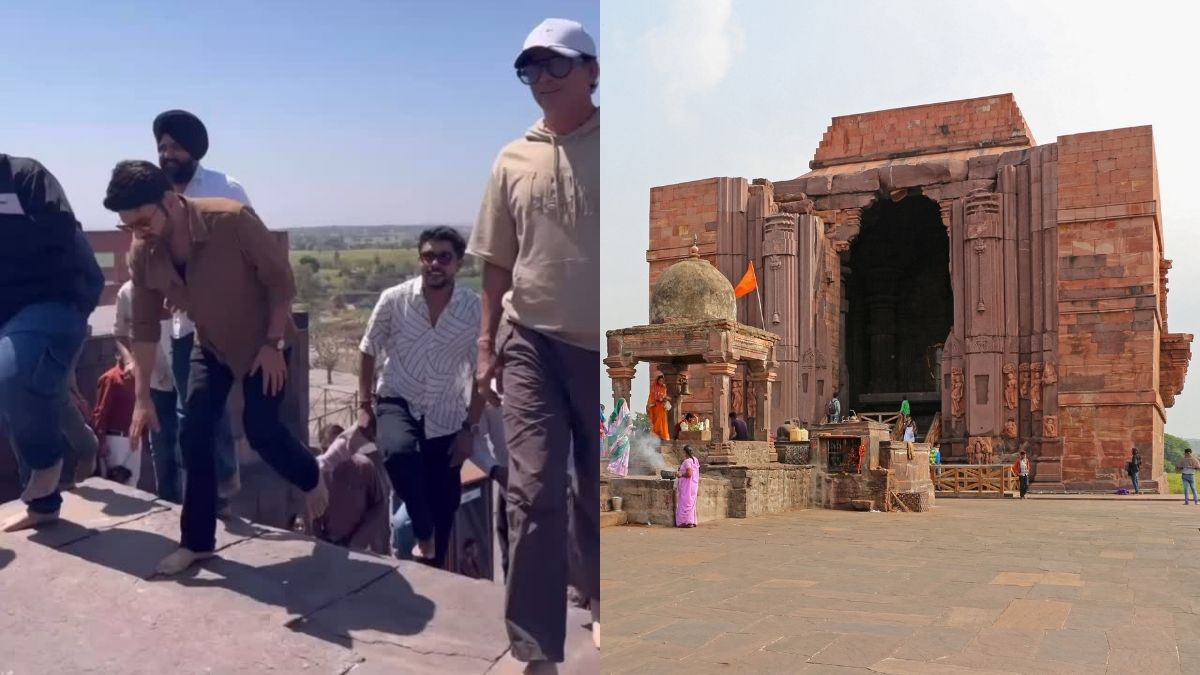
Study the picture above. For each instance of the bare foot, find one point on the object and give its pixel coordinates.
(423, 550)
(541, 668)
(180, 560)
(595, 607)
(317, 499)
(28, 520)
(42, 482)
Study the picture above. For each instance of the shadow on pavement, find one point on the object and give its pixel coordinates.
(301, 585)
(6, 556)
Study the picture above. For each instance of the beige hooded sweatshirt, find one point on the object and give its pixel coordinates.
(541, 219)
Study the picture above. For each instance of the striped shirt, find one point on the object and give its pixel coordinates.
(430, 367)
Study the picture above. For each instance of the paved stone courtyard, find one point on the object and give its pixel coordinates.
(81, 597)
(975, 586)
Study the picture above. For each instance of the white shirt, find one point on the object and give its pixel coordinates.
(161, 379)
(431, 368)
(207, 183)
(909, 435)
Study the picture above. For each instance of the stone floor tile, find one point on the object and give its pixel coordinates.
(1044, 614)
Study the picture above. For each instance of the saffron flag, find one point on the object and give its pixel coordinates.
(748, 284)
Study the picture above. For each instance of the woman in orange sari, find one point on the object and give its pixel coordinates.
(656, 409)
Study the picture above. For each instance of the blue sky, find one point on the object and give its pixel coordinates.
(721, 88)
(357, 112)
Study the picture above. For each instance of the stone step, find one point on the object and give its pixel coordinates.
(613, 518)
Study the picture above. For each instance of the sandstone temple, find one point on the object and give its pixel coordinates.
(1014, 293)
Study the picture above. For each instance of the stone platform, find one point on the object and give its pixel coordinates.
(1051, 586)
(81, 597)
(725, 492)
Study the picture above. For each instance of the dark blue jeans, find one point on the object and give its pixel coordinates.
(37, 348)
(226, 453)
(168, 461)
(207, 397)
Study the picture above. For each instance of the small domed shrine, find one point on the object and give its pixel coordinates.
(693, 320)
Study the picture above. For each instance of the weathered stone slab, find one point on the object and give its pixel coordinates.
(94, 505)
(295, 572)
(861, 181)
(818, 185)
(61, 616)
(845, 201)
(446, 617)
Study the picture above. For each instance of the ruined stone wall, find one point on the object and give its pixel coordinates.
(923, 129)
(652, 501)
(1109, 300)
(756, 491)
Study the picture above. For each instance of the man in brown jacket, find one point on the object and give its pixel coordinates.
(214, 259)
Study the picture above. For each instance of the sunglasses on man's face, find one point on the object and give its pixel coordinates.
(442, 258)
(557, 66)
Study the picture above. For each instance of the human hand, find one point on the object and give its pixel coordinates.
(464, 443)
(488, 370)
(274, 369)
(145, 420)
(366, 420)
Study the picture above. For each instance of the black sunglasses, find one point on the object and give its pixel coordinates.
(443, 258)
(557, 66)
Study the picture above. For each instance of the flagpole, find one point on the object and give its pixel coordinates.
(758, 295)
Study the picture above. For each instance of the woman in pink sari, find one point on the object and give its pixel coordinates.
(687, 488)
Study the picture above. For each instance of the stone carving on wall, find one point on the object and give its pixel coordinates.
(1010, 386)
(984, 343)
(979, 450)
(1010, 428)
(1049, 374)
(1024, 380)
(956, 392)
(735, 397)
(1050, 426)
(1035, 387)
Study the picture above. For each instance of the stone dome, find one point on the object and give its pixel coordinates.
(692, 290)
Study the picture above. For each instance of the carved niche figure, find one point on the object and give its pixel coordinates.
(956, 392)
(981, 450)
(735, 397)
(1024, 380)
(1010, 386)
(1049, 374)
(1010, 428)
(1035, 387)
(1050, 426)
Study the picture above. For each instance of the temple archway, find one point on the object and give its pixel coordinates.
(899, 307)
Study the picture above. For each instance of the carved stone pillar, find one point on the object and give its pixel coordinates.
(720, 374)
(762, 375)
(621, 370)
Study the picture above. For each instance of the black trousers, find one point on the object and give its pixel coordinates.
(1024, 485)
(420, 471)
(209, 383)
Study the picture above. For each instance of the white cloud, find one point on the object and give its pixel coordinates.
(693, 51)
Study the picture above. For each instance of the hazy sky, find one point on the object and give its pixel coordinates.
(720, 88)
(351, 112)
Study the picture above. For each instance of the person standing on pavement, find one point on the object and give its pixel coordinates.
(538, 234)
(182, 142)
(216, 260)
(51, 284)
(1134, 468)
(424, 411)
(1021, 468)
(1187, 470)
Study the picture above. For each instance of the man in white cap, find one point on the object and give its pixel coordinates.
(538, 235)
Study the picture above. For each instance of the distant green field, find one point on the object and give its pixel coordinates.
(358, 255)
(1175, 481)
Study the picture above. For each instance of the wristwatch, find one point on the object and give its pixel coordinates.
(473, 428)
(278, 344)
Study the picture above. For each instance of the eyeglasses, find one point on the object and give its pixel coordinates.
(557, 66)
(443, 258)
